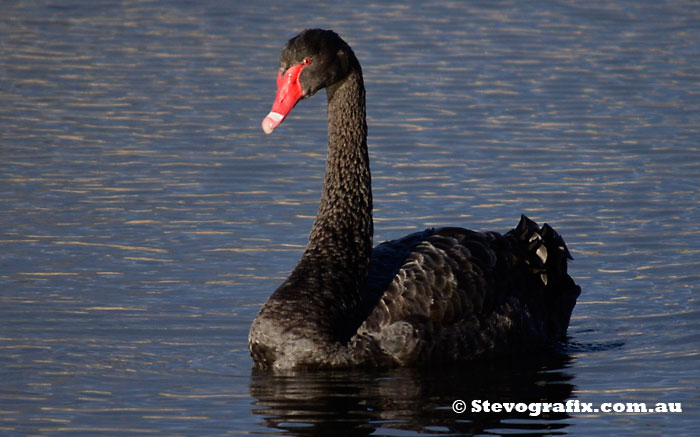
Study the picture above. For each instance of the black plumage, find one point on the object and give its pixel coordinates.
(438, 296)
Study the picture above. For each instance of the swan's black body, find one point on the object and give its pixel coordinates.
(437, 296)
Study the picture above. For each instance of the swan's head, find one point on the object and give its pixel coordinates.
(310, 61)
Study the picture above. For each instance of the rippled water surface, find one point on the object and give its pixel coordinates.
(145, 217)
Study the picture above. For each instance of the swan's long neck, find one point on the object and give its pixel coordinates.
(340, 242)
(314, 312)
(342, 232)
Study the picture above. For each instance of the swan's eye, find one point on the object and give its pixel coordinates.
(306, 61)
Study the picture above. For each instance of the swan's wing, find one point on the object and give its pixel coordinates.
(457, 293)
(441, 285)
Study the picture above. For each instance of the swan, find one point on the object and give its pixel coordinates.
(434, 297)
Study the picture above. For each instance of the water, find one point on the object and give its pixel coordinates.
(145, 217)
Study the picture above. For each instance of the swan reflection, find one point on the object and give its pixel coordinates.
(418, 400)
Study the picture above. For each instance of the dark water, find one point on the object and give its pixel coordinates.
(145, 217)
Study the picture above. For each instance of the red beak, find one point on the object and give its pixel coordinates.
(289, 92)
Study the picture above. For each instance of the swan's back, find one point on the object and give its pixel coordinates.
(451, 294)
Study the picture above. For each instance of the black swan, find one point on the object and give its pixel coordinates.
(438, 296)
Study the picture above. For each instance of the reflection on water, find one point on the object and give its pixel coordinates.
(415, 400)
(144, 216)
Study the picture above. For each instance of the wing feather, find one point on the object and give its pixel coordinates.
(449, 294)
(441, 297)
